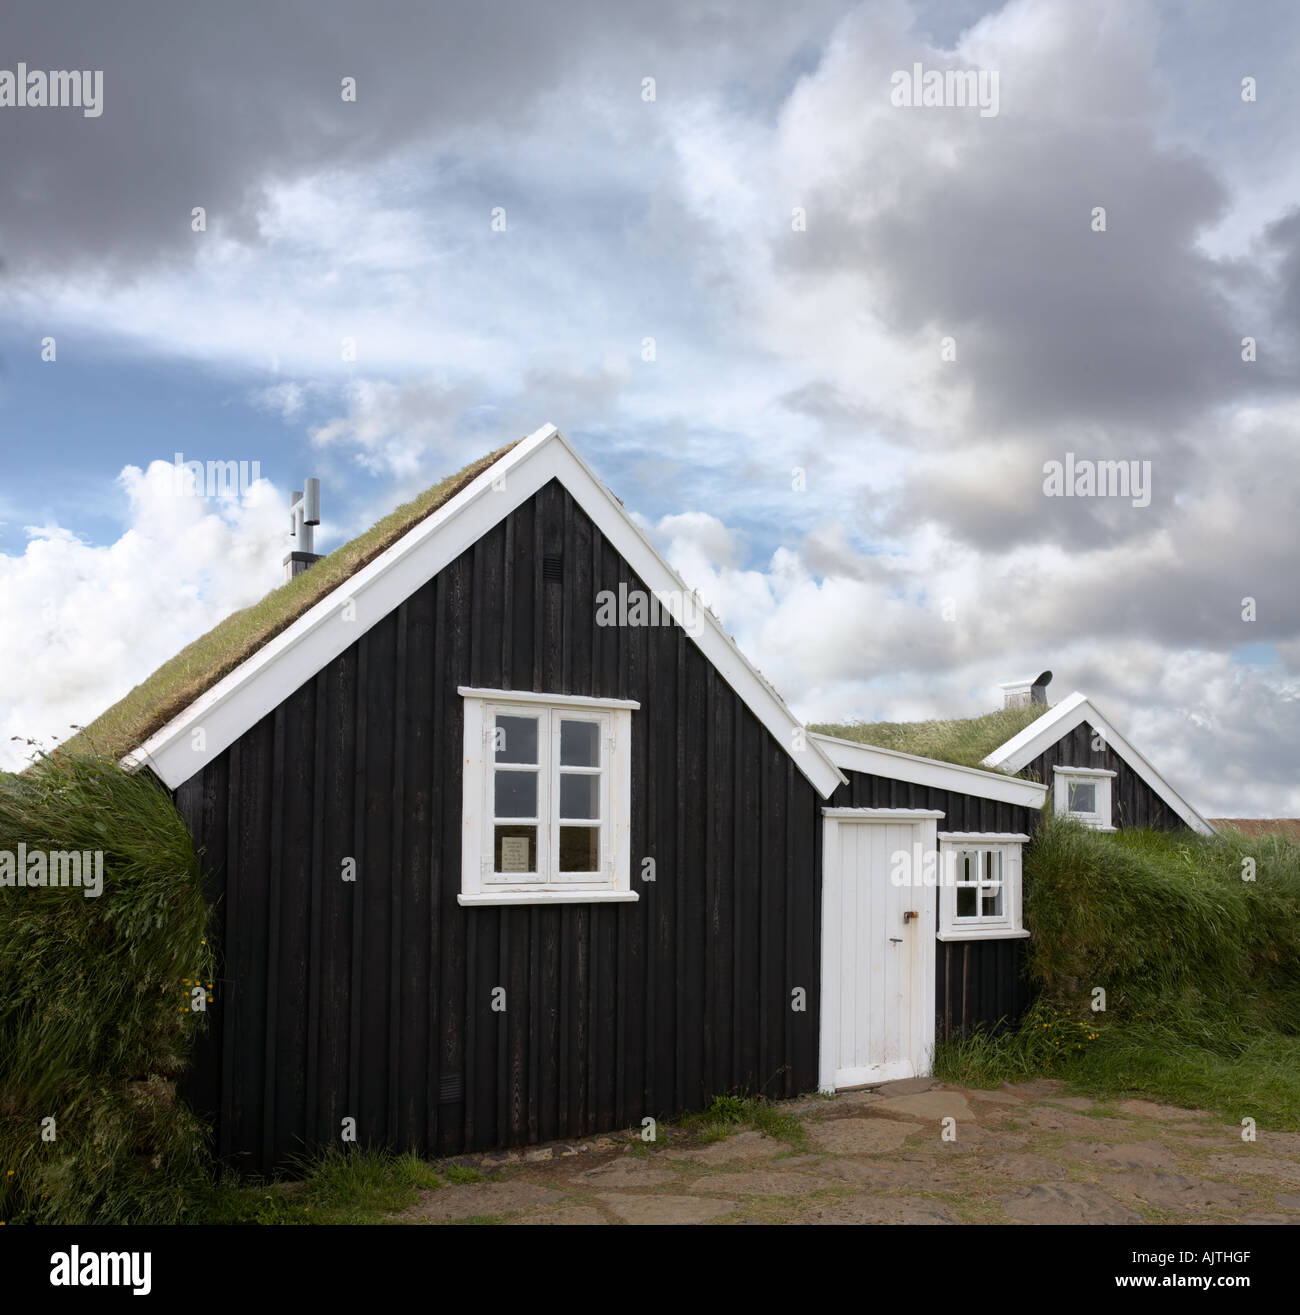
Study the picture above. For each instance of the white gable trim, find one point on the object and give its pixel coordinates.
(1026, 745)
(883, 814)
(849, 755)
(1060, 720)
(282, 665)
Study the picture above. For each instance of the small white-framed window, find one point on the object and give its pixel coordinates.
(980, 885)
(1083, 793)
(547, 798)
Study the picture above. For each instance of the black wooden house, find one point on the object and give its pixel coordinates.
(1095, 773)
(508, 843)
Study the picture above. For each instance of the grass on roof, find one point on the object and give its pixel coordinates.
(966, 741)
(1289, 827)
(199, 666)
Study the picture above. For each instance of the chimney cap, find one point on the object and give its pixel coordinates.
(1021, 682)
(1027, 690)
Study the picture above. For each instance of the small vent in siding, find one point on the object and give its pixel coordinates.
(552, 567)
(451, 1088)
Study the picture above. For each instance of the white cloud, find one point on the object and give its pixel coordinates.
(95, 621)
(776, 349)
(283, 399)
(931, 635)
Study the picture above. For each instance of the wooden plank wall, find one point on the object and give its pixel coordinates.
(371, 999)
(976, 982)
(1133, 801)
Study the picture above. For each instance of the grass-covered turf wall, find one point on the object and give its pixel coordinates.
(1200, 967)
(96, 1015)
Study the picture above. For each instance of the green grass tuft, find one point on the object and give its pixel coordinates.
(734, 1111)
(335, 1186)
(95, 1023)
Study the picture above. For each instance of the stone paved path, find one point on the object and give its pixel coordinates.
(916, 1152)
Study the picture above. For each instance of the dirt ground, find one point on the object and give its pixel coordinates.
(915, 1152)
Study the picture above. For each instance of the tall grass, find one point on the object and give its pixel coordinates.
(1200, 969)
(1165, 923)
(95, 1017)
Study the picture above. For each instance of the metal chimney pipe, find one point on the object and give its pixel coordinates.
(304, 513)
(1025, 690)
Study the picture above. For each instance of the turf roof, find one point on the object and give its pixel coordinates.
(1288, 827)
(200, 665)
(966, 741)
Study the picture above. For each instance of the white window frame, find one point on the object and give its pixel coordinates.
(1099, 819)
(480, 882)
(1009, 924)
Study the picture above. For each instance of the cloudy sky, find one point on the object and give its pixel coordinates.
(755, 264)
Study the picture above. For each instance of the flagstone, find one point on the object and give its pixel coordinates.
(1127, 1155)
(471, 1199)
(625, 1172)
(930, 1105)
(582, 1216)
(1173, 1191)
(1067, 1203)
(744, 1146)
(760, 1182)
(872, 1209)
(665, 1208)
(861, 1136)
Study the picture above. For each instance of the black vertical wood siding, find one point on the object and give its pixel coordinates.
(961, 812)
(976, 982)
(371, 999)
(1133, 801)
(980, 984)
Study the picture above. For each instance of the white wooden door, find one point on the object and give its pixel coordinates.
(877, 1005)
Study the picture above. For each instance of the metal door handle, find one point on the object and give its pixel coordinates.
(896, 939)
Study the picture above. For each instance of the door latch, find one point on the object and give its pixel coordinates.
(910, 914)
(898, 940)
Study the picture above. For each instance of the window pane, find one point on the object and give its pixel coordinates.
(1083, 798)
(516, 739)
(579, 744)
(579, 796)
(995, 865)
(968, 866)
(580, 849)
(991, 902)
(516, 794)
(966, 901)
(516, 849)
